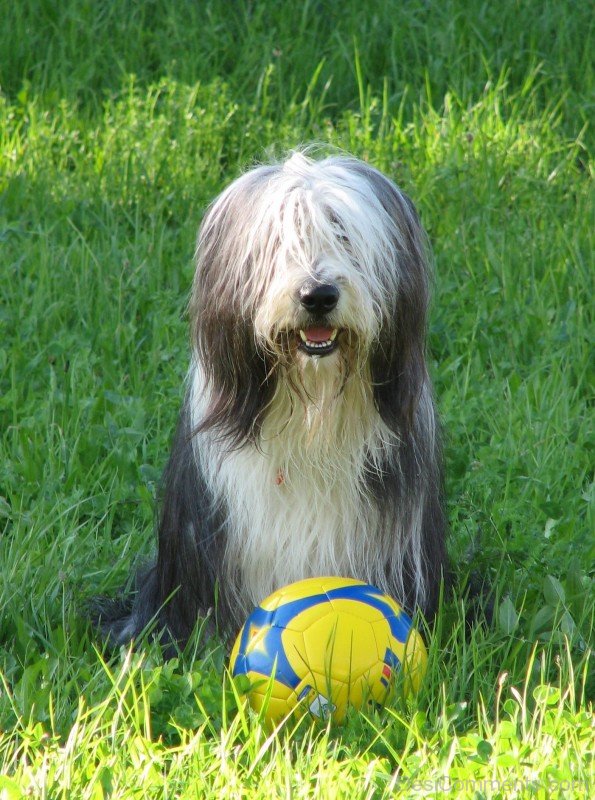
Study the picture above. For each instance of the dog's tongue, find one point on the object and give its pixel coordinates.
(318, 334)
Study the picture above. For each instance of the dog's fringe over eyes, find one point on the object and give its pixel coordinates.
(307, 444)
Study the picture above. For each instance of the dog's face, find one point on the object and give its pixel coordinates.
(313, 272)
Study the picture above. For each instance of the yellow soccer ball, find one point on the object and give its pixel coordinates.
(324, 644)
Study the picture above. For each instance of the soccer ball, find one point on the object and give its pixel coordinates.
(325, 644)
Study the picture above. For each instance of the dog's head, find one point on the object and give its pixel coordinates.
(309, 268)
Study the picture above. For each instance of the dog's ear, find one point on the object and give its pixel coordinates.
(239, 377)
(239, 374)
(398, 362)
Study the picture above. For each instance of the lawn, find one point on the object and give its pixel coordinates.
(119, 122)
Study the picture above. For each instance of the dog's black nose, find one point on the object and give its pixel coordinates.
(319, 298)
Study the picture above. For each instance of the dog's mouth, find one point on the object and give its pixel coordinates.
(318, 340)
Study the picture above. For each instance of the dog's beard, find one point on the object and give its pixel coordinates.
(312, 390)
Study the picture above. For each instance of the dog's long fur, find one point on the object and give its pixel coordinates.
(288, 464)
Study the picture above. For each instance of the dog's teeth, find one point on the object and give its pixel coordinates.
(318, 345)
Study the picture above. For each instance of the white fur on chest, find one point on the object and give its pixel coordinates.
(283, 526)
(297, 506)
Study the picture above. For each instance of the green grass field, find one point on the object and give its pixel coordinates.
(118, 124)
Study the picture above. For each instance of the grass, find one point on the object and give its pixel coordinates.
(118, 124)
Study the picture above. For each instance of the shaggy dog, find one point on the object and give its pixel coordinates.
(307, 444)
